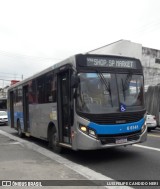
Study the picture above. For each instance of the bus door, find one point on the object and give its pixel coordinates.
(64, 106)
(12, 108)
(25, 109)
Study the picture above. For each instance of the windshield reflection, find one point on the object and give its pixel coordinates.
(130, 89)
(98, 92)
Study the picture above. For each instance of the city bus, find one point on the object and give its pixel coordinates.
(85, 102)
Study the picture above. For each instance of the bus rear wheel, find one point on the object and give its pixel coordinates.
(53, 142)
(20, 134)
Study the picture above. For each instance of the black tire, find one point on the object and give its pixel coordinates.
(53, 141)
(149, 129)
(20, 134)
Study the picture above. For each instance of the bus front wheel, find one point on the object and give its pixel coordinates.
(53, 142)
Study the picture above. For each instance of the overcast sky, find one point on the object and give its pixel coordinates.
(34, 34)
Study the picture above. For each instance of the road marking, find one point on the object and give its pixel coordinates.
(154, 135)
(7, 143)
(84, 171)
(146, 147)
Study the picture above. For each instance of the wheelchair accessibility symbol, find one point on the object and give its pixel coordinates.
(122, 107)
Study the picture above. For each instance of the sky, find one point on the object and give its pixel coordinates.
(35, 34)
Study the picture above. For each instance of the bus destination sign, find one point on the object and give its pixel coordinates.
(111, 62)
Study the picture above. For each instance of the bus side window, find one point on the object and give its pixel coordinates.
(50, 88)
(41, 89)
(54, 91)
(32, 92)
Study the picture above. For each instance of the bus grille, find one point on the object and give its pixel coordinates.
(116, 118)
(111, 139)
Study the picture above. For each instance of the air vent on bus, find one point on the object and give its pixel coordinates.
(115, 118)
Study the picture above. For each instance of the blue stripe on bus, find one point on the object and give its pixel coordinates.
(19, 115)
(117, 128)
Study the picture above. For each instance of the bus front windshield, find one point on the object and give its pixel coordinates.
(101, 93)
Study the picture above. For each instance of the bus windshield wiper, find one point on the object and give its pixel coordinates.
(107, 85)
(123, 89)
(125, 84)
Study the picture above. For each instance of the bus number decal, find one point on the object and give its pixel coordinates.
(133, 127)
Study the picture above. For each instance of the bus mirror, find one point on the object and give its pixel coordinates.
(74, 81)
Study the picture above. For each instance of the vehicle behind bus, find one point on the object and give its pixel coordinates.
(86, 102)
(3, 111)
(152, 101)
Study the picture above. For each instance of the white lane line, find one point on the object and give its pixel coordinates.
(152, 135)
(146, 147)
(84, 171)
(8, 143)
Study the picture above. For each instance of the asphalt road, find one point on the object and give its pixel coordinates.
(137, 162)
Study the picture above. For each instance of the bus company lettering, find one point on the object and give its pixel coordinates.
(124, 64)
(132, 127)
(110, 63)
(97, 62)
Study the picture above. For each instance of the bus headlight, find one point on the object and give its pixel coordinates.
(83, 128)
(87, 131)
(92, 133)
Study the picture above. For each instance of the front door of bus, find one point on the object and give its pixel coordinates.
(64, 117)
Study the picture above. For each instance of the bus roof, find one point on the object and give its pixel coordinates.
(70, 60)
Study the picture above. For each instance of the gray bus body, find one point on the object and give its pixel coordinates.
(48, 105)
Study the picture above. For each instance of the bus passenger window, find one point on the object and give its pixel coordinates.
(32, 95)
(50, 88)
(54, 91)
(41, 90)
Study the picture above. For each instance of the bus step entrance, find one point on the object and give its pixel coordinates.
(65, 145)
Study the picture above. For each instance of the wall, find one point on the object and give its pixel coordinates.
(150, 58)
(151, 65)
(121, 47)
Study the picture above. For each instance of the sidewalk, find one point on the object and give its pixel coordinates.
(22, 160)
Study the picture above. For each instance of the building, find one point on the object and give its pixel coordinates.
(3, 92)
(150, 58)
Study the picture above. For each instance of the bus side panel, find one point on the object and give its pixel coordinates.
(40, 115)
(18, 115)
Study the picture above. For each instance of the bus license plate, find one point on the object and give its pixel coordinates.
(121, 141)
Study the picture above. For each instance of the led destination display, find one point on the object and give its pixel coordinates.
(111, 62)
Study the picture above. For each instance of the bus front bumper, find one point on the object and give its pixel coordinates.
(85, 142)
